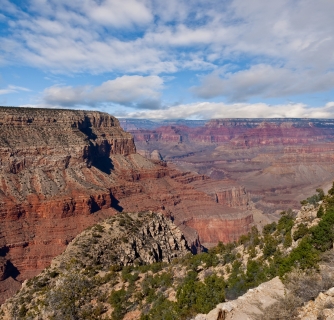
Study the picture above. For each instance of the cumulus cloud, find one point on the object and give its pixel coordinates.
(132, 91)
(276, 48)
(262, 80)
(160, 36)
(210, 110)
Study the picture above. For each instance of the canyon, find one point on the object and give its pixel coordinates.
(278, 162)
(62, 171)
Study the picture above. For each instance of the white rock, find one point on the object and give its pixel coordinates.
(226, 306)
(214, 314)
(330, 292)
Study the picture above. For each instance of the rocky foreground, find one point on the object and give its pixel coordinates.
(89, 263)
(62, 171)
(138, 266)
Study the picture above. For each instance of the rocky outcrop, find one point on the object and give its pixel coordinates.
(154, 155)
(321, 308)
(127, 239)
(245, 133)
(124, 240)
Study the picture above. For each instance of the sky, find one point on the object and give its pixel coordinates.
(172, 59)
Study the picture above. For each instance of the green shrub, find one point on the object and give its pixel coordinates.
(270, 246)
(301, 231)
(67, 298)
(98, 228)
(194, 296)
(23, 311)
(162, 309)
(269, 228)
(287, 240)
(304, 256)
(323, 233)
(320, 195)
(119, 301)
(285, 223)
(255, 274)
(54, 274)
(320, 212)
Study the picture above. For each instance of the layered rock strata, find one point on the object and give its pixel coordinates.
(63, 170)
(278, 161)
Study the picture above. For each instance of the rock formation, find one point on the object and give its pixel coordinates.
(278, 161)
(64, 170)
(123, 240)
(127, 239)
(320, 308)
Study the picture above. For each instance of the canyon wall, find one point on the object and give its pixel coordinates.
(278, 161)
(214, 229)
(63, 170)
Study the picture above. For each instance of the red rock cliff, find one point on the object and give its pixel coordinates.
(62, 170)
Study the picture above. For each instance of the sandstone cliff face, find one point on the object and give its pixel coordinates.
(234, 197)
(46, 198)
(58, 138)
(62, 171)
(278, 161)
(243, 133)
(215, 229)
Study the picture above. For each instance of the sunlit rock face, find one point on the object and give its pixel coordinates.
(278, 161)
(63, 170)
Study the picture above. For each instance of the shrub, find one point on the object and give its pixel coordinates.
(320, 212)
(198, 297)
(98, 228)
(305, 286)
(70, 294)
(285, 223)
(269, 228)
(162, 309)
(54, 274)
(304, 256)
(270, 246)
(287, 240)
(284, 308)
(323, 233)
(301, 232)
(119, 301)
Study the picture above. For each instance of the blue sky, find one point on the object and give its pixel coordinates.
(194, 59)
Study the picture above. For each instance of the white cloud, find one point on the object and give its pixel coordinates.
(8, 7)
(134, 91)
(263, 80)
(284, 47)
(12, 89)
(119, 13)
(210, 110)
